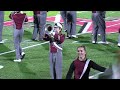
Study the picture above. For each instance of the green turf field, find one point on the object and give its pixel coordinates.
(36, 64)
(85, 14)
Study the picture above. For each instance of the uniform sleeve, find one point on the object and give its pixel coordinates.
(119, 30)
(10, 16)
(26, 18)
(97, 67)
(70, 72)
(62, 38)
(46, 38)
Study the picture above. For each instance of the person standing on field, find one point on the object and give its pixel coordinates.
(1, 25)
(18, 18)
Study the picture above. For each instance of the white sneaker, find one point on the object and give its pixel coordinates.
(17, 60)
(74, 36)
(1, 66)
(93, 42)
(101, 42)
(1, 42)
(118, 44)
(99, 34)
(23, 55)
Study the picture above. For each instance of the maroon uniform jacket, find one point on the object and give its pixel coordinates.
(77, 67)
(18, 19)
(58, 40)
(36, 12)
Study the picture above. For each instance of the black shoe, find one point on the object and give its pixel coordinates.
(66, 30)
(34, 39)
(23, 55)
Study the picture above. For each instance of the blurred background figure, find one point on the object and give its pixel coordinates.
(71, 24)
(98, 20)
(1, 25)
(119, 38)
(64, 17)
(36, 25)
(39, 23)
(113, 72)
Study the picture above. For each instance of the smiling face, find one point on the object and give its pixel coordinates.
(81, 53)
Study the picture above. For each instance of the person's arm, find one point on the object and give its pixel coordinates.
(61, 40)
(26, 18)
(10, 16)
(46, 37)
(97, 67)
(70, 72)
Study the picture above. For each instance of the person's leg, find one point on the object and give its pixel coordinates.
(95, 27)
(73, 27)
(43, 16)
(1, 24)
(102, 27)
(119, 40)
(52, 65)
(36, 26)
(20, 48)
(17, 43)
(58, 65)
(63, 14)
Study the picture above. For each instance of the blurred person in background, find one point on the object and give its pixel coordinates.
(113, 72)
(1, 25)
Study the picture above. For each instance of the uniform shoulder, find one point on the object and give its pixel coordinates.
(24, 13)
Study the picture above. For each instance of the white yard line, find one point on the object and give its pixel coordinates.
(112, 12)
(24, 48)
(87, 27)
(113, 25)
(92, 77)
(81, 11)
(5, 40)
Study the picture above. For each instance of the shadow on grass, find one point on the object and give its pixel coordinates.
(102, 47)
(112, 41)
(25, 70)
(82, 39)
(8, 56)
(27, 34)
(46, 46)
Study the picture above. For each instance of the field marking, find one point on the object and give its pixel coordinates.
(77, 42)
(81, 11)
(92, 77)
(24, 48)
(5, 40)
(87, 27)
(112, 12)
(112, 25)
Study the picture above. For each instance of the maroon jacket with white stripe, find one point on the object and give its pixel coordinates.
(18, 19)
(59, 39)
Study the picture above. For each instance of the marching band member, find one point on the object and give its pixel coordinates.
(18, 18)
(82, 65)
(55, 53)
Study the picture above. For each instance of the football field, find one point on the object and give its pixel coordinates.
(35, 65)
